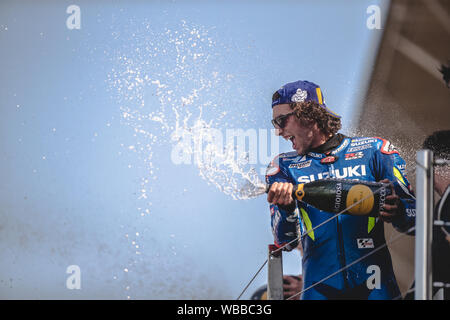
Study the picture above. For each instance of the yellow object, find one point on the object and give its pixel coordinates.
(371, 224)
(319, 95)
(307, 223)
(299, 193)
(357, 193)
(399, 176)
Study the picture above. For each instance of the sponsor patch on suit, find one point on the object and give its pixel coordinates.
(300, 165)
(366, 243)
(354, 155)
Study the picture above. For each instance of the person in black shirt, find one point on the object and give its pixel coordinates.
(439, 143)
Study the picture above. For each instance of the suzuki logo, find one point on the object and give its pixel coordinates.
(347, 172)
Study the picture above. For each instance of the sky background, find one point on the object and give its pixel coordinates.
(90, 119)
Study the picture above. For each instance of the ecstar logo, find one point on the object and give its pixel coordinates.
(359, 148)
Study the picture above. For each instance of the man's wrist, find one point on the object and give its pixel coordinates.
(290, 208)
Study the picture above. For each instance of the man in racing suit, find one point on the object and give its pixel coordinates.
(300, 115)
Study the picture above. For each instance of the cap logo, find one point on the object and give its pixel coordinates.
(299, 96)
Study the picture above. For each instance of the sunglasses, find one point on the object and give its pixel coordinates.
(280, 121)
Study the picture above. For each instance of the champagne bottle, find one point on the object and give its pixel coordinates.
(336, 195)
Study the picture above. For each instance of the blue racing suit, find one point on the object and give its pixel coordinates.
(343, 240)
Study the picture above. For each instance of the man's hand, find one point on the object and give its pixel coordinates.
(391, 207)
(292, 285)
(280, 193)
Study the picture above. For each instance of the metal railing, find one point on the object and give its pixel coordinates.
(275, 274)
(424, 225)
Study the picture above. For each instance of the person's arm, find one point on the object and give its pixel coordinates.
(283, 213)
(292, 285)
(400, 207)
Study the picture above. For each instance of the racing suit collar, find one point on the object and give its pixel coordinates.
(331, 144)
